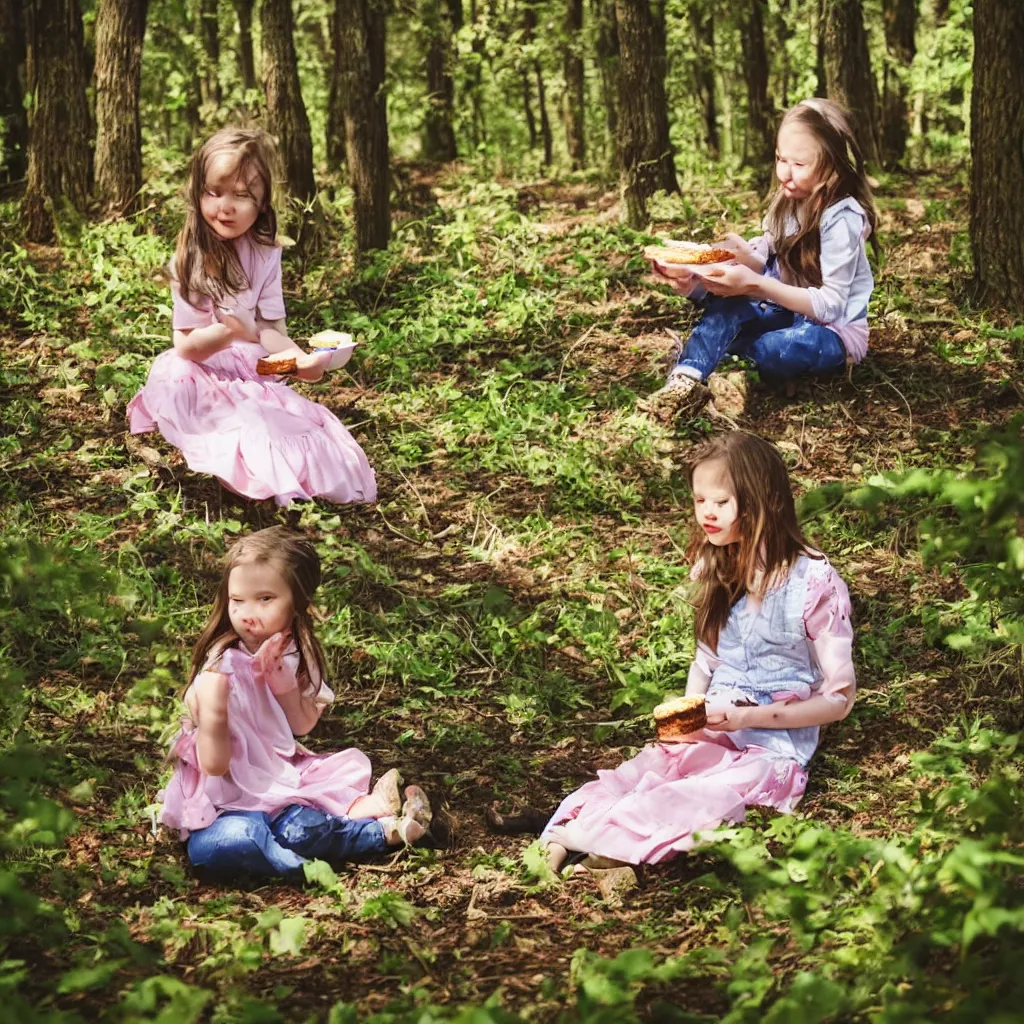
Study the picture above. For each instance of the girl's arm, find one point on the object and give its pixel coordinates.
(213, 743)
(817, 710)
(274, 668)
(202, 342)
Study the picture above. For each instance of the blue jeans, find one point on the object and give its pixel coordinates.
(269, 846)
(781, 343)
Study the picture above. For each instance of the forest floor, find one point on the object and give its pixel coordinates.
(500, 622)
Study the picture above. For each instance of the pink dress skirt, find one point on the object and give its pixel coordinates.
(255, 434)
(648, 809)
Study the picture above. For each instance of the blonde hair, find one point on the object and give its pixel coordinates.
(204, 264)
(841, 174)
(770, 539)
(296, 559)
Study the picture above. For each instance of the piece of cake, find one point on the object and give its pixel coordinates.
(678, 718)
(272, 365)
(330, 339)
(687, 254)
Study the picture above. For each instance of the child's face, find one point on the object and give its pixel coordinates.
(230, 205)
(714, 502)
(259, 602)
(797, 155)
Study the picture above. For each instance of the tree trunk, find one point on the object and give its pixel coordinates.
(59, 127)
(997, 156)
(819, 52)
(531, 121)
(607, 47)
(529, 27)
(120, 28)
(476, 74)
(645, 153)
(286, 113)
(209, 32)
(438, 133)
(848, 73)
(759, 142)
(13, 123)
(702, 21)
(575, 96)
(361, 29)
(900, 17)
(246, 60)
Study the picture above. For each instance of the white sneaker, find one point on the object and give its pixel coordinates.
(682, 395)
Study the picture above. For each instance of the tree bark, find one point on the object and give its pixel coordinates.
(997, 156)
(900, 19)
(438, 133)
(575, 95)
(819, 52)
(531, 121)
(59, 126)
(286, 113)
(361, 29)
(702, 21)
(645, 152)
(848, 73)
(209, 32)
(607, 47)
(120, 28)
(246, 59)
(760, 136)
(13, 123)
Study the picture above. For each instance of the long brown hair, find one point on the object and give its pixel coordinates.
(297, 561)
(205, 264)
(841, 174)
(770, 539)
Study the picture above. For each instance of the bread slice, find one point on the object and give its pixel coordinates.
(678, 718)
(687, 254)
(270, 366)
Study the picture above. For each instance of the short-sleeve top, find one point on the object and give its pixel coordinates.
(264, 298)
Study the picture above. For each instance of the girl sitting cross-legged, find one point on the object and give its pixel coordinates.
(795, 300)
(245, 795)
(774, 642)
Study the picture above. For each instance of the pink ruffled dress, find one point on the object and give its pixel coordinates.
(255, 434)
(269, 769)
(796, 644)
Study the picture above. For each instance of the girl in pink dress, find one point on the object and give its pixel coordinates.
(246, 797)
(774, 642)
(254, 433)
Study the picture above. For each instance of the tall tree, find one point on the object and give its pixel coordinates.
(59, 126)
(848, 73)
(997, 155)
(575, 90)
(607, 49)
(13, 124)
(438, 132)
(361, 32)
(209, 32)
(286, 113)
(900, 19)
(120, 27)
(760, 134)
(645, 152)
(246, 60)
(529, 29)
(702, 22)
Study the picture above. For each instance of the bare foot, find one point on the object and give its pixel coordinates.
(311, 366)
(382, 801)
(556, 856)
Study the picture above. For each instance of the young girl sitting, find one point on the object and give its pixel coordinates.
(774, 640)
(254, 433)
(795, 301)
(247, 798)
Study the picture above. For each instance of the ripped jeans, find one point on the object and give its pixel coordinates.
(263, 845)
(781, 343)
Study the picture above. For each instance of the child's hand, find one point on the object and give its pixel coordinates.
(270, 667)
(729, 279)
(676, 275)
(727, 719)
(239, 321)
